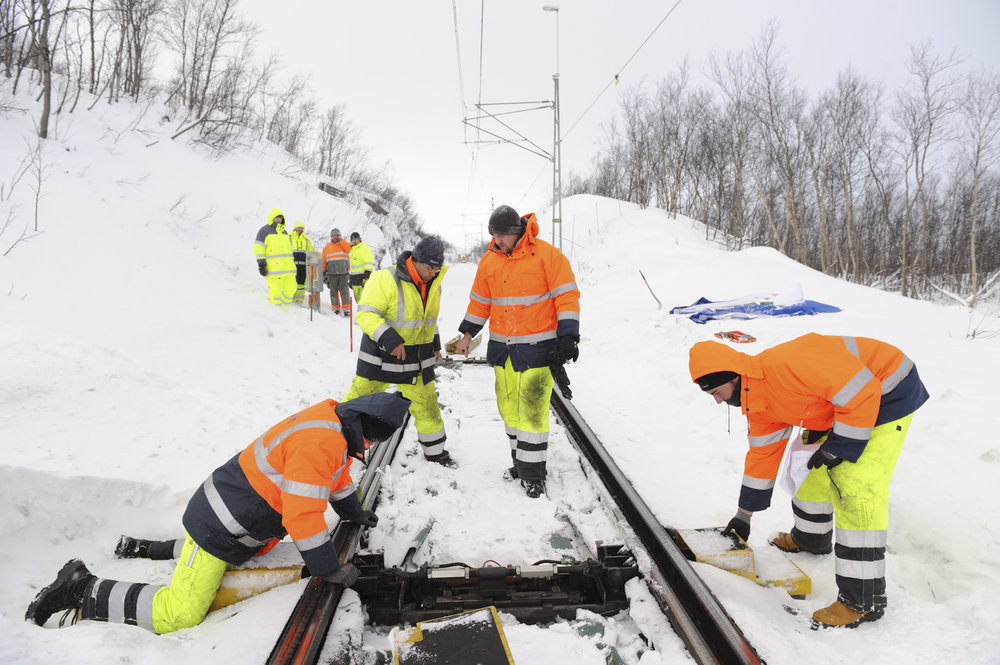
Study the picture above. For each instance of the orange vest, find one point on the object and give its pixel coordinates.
(340, 254)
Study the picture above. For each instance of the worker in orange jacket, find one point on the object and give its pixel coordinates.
(526, 289)
(279, 485)
(336, 272)
(854, 397)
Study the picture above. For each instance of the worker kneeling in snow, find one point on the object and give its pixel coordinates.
(278, 485)
(854, 398)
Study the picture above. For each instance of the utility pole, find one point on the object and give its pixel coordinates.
(556, 144)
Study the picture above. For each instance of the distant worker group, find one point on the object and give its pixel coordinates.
(282, 258)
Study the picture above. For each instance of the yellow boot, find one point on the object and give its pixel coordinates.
(840, 615)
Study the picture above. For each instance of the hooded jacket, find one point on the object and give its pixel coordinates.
(530, 299)
(394, 311)
(280, 484)
(847, 385)
(274, 246)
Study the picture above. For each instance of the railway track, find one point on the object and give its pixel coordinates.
(695, 613)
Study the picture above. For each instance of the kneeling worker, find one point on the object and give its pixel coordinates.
(279, 485)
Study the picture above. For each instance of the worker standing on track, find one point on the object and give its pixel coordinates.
(526, 289)
(854, 397)
(401, 344)
(279, 485)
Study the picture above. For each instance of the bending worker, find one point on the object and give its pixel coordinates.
(273, 250)
(280, 484)
(526, 289)
(854, 397)
(401, 345)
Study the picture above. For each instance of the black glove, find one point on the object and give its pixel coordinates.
(366, 275)
(366, 518)
(568, 349)
(262, 267)
(821, 457)
(740, 525)
(346, 575)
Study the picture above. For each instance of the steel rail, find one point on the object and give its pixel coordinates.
(696, 614)
(302, 638)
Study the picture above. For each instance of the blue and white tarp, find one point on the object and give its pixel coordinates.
(787, 303)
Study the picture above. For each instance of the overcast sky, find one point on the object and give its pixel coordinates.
(395, 66)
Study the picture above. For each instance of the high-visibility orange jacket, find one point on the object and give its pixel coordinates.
(847, 385)
(279, 484)
(530, 299)
(337, 258)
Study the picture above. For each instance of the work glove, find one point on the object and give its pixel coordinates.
(262, 267)
(365, 276)
(366, 518)
(740, 525)
(821, 457)
(346, 575)
(568, 348)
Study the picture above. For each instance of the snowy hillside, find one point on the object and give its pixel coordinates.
(139, 352)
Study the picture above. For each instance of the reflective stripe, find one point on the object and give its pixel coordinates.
(260, 451)
(344, 493)
(861, 539)
(531, 455)
(381, 330)
(430, 437)
(312, 542)
(144, 604)
(275, 273)
(476, 320)
(758, 483)
(431, 449)
(369, 308)
(852, 346)
(860, 570)
(478, 298)
(413, 323)
(851, 432)
(116, 602)
(531, 437)
(896, 377)
(817, 528)
(813, 507)
(768, 439)
(568, 316)
(307, 490)
(523, 339)
(853, 387)
(226, 517)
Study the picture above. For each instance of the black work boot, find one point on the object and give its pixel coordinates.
(444, 459)
(68, 592)
(533, 488)
(138, 548)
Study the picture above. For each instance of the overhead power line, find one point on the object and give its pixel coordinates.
(620, 70)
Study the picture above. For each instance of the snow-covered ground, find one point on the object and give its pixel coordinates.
(139, 352)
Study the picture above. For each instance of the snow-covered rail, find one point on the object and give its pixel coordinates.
(694, 612)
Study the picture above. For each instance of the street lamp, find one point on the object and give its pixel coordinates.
(556, 143)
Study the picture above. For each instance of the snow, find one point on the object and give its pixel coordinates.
(140, 352)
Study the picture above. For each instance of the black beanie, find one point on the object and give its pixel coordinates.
(429, 250)
(715, 379)
(376, 430)
(505, 221)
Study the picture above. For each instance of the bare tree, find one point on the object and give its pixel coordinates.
(980, 113)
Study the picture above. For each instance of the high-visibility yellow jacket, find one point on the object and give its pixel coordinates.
(847, 385)
(300, 245)
(393, 311)
(274, 246)
(362, 263)
(530, 299)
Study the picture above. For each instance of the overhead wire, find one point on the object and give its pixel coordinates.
(620, 70)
